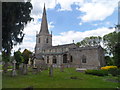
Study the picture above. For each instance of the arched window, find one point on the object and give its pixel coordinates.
(71, 59)
(65, 58)
(39, 40)
(47, 59)
(54, 60)
(47, 40)
(83, 59)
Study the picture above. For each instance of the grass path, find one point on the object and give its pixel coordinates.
(59, 80)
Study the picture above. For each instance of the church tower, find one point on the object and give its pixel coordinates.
(43, 38)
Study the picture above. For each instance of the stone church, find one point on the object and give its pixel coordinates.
(69, 55)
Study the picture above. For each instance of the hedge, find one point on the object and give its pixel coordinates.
(97, 72)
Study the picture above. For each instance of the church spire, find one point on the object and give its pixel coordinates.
(44, 25)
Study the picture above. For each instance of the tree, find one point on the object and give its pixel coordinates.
(5, 58)
(117, 54)
(110, 40)
(109, 60)
(26, 55)
(19, 58)
(78, 44)
(117, 48)
(15, 16)
(90, 41)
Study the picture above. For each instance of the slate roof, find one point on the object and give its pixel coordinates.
(87, 48)
(62, 46)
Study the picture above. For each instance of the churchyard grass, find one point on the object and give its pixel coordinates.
(67, 79)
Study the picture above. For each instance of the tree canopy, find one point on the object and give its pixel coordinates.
(26, 54)
(18, 57)
(110, 40)
(90, 41)
(117, 54)
(15, 15)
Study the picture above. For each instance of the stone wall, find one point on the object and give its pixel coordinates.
(94, 57)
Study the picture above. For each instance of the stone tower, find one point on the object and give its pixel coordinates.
(43, 38)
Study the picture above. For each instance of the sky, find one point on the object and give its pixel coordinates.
(71, 20)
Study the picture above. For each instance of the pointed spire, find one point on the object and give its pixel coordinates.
(44, 25)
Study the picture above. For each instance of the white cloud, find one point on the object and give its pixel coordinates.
(97, 9)
(51, 25)
(80, 23)
(93, 9)
(95, 24)
(68, 37)
(66, 4)
(39, 4)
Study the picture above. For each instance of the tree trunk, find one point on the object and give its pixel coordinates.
(17, 66)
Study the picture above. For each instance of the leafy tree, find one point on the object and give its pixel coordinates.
(15, 16)
(90, 41)
(110, 40)
(117, 54)
(5, 58)
(26, 54)
(78, 44)
(18, 57)
(109, 60)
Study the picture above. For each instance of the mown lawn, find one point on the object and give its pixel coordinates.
(59, 80)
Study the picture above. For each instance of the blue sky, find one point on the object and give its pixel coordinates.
(71, 20)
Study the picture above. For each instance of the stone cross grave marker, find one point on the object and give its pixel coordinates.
(14, 73)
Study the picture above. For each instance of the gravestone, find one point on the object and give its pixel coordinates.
(81, 69)
(34, 70)
(21, 68)
(51, 70)
(62, 68)
(25, 69)
(38, 64)
(14, 73)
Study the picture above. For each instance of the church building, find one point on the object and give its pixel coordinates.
(69, 55)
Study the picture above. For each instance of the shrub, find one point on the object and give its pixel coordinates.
(108, 67)
(114, 71)
(97, 72)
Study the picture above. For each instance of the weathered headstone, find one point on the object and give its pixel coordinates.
(34, 70)
(14, 73)
(81, 69)
(62, 68)
(51, 70)
(25, 69)
(21, 68)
